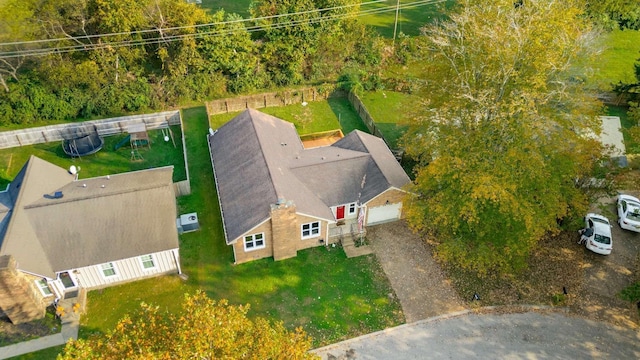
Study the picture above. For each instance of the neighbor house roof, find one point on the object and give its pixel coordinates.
(96, 220)
(259, 159)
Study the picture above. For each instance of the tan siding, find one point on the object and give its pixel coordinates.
(312, 242)
(242, 256)
(392, 195)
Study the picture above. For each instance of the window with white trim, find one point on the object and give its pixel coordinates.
(352, 208)
(44, 287)
(310, 230)
(147, 262)
(108, 270)
(254, 242)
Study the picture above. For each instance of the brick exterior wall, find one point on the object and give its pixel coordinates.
(284, 228)
(19, 300)
(392, 195)
(282, 236)
(242, 256)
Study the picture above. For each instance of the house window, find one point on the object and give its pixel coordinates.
(254, 242)
(108, 270)
(352, 208)
(310, 229)
(44, 287)
(147, 262)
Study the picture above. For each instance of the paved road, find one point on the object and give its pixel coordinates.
(529, 335)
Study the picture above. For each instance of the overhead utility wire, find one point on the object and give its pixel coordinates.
(171, 38)
(87, 37)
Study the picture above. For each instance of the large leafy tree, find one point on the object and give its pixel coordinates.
(500, 138)
(205, 329)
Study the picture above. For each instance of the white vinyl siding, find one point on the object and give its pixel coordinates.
(128, 270)
(310, 230)
(147, 262)
(44, 287)
(108, 270)
(351, 209)
(254, 242)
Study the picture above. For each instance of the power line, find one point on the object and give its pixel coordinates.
(178, 37)
(88, 37)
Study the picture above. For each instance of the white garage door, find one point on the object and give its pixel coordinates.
(380, 214)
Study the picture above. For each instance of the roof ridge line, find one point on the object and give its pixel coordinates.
(255, 131)
(69, 200)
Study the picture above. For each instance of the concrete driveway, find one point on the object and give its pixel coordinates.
(466, 336)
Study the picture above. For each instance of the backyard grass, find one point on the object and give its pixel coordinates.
(622, 49)
(389, 111)
(104, 162)
(626, 122)
(322, 291)
(316, 116)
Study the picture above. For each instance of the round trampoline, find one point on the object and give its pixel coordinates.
(82, 141)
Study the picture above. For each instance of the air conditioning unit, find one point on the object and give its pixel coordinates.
(187, 223)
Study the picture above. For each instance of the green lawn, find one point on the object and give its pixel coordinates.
(234, 6)
(104, 162)
(330, 296)
(317, 116)
(390, 110)
(410, 19)
(622, 49)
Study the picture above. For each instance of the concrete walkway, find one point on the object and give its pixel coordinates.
(466, 335)
(69, 330)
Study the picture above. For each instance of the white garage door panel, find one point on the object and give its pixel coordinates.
(380, 214)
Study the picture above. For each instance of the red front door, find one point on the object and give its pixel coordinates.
(340, 213)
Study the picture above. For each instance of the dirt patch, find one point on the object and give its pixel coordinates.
(416, 278)
(606, 276)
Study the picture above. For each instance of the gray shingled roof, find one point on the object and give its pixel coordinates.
(133, 214)
(258, 159)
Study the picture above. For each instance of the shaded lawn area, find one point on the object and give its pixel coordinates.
(626, 122)
(105, 162)
(330, 296)
(240, 7)
(317, 116)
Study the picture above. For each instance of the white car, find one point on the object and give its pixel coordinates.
(600, 241)
(629, 212)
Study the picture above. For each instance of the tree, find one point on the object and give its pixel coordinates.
(205, 329)
(500, 138)
(615, 13)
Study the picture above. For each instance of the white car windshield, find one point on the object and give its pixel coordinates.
(633, 215)
(600, 220)
(602, 239)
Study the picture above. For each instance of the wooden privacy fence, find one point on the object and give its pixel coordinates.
(106, 127)
(259, 101)
(363, 113)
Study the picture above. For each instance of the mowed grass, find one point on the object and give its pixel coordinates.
(320, 290)
(410, 17)
(105, 162)
(615, 64)
(392, 112)
(316, 116)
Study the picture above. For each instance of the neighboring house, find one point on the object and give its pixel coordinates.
(60, 235)
(277, 197)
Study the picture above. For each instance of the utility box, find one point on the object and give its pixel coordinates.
(187, 223)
